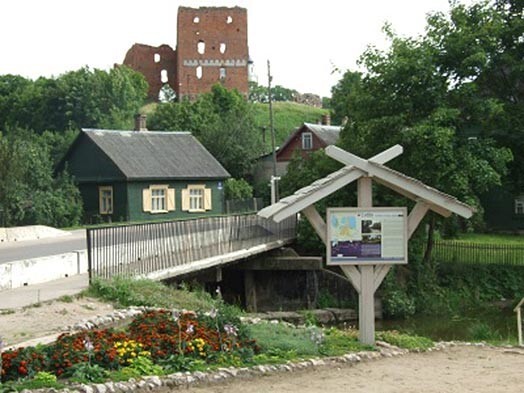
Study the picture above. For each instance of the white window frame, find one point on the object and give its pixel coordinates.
(157, 200)
(307, 141)
(519, 205)
(193, 199)
(103, 199)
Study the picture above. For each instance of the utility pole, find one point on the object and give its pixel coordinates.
(274, 178)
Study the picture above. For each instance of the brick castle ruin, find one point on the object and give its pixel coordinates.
(211, 47)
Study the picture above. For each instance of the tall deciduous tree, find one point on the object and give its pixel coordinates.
(432, 95)
(438, 110)
(28, 192)
(83, 98)
(222, 120)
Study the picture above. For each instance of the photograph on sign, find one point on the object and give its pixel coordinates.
(367, 235)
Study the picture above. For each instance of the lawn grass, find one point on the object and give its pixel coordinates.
(481, 249)
(490, 238)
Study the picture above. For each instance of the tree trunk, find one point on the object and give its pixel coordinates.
(429, 240)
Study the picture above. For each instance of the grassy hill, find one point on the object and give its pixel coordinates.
(286, 117)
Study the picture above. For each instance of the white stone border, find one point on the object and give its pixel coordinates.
(187, 379)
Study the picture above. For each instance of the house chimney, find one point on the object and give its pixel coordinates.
(140, 122)
(326, 120)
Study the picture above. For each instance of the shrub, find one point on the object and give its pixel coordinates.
(338, 342)
(398, 304)
(481, 331)
(237, 189)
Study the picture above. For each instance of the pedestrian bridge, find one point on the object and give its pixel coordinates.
(169, 249)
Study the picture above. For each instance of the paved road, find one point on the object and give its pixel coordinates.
(42, 292)
(16, 251)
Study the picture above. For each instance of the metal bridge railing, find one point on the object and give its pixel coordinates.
(140, 249)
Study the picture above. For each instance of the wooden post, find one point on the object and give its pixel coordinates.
(316, 222)
(250, 291)
(519, 326)
(366, 302)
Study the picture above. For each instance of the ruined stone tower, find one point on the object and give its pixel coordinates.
(211, 48)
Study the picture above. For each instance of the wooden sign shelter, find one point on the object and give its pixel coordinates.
(366, 278)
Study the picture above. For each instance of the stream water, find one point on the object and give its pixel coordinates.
(472, 325)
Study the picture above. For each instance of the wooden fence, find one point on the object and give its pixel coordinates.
(450, 251)
(141, 249)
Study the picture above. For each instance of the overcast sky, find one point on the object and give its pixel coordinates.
(303, 39)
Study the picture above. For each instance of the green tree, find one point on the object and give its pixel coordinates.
(28, 192)
(452, 99)
(406, 97)
(258, 93)
(480, 49)
(237, 189)
(223, 122)
(83, 98)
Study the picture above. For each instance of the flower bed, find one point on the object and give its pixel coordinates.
(163, 342)
(171, 338)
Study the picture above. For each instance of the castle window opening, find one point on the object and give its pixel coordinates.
(196, 19)
(201, 47)
(163, 76)
(199, 72)
(222, 47)
(222, 73)
(229, 19)
(157, 58)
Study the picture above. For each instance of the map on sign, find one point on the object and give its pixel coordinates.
(344, 227)
(370, 235)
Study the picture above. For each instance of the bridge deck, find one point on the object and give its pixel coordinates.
(168, 249)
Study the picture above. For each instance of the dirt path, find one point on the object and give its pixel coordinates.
(20, 325)
(457, 370)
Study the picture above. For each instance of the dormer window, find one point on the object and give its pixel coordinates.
(307, 141)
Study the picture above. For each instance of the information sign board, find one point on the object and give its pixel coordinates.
(367, 236)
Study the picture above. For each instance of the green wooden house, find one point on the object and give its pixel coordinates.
(504, 210)
(144, 175)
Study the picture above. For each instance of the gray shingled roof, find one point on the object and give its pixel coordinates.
(328, 134)
(158, 154)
